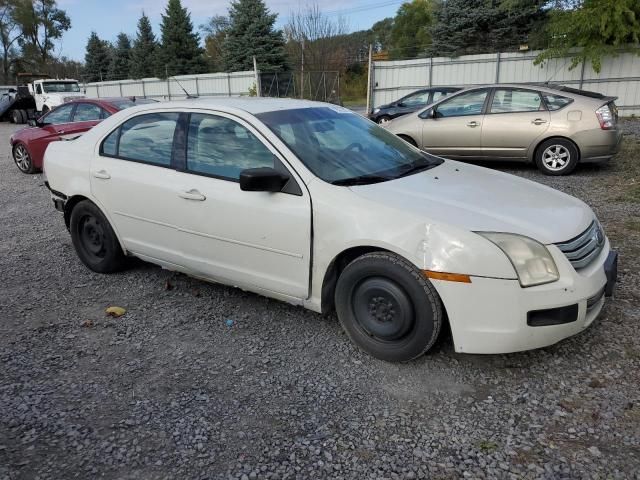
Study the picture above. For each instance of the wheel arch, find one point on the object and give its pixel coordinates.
(534, 151)
(408, 139)
(74, 200)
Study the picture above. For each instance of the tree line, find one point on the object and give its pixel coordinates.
(28, 32)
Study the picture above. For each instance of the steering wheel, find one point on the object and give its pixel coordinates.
(353, 146)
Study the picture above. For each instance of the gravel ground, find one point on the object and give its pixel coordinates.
(203, 381)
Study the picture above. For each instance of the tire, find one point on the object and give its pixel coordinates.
(45, 109)
(16, 117)
(387, 307)
(384, 119)
(409, 140)
(94, 240)
(22, 158)
(24, 116)
(557, 156)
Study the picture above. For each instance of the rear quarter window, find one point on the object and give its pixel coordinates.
(556, 102)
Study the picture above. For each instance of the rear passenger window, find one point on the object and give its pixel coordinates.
(86, 112)
(221, 147)
(110, 144)
(148, 138)
(556, 102)
(511, 101)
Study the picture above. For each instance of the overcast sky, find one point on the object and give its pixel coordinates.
(109, 17)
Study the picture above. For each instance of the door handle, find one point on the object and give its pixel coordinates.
(102, 174)
(473, 124)
(538, 121)
(192, 194)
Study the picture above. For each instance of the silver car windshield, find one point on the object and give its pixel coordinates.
(343, 148)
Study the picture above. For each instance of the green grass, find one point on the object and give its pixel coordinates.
(628, 164)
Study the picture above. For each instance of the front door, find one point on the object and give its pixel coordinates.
(454, 128)
(522, 113)
(258, 240)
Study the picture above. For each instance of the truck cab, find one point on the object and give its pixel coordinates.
(49, 93)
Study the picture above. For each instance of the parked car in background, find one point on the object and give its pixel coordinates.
(410, 103)
(66, 121)
(310, 203)
(553, 126)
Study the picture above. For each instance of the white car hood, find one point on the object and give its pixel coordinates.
(480, 199)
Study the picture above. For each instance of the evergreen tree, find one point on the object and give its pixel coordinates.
(252, 33)
(97, 59)
(180, 51)
(467, 27)
(119, 68)
(144, 50)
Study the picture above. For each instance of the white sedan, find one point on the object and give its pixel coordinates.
(314, 205)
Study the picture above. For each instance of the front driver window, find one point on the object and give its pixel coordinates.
(221, 147)
(468, 103)
(61, 114)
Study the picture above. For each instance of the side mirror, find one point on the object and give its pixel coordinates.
(32, 122)
(264, 179)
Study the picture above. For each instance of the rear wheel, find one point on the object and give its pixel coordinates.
(16, 117)
(94, 240)
(22, 159)
(384, 119)
(387, 307)
(557, 156)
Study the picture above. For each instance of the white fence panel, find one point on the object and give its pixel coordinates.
(208, 84)
(619, 76)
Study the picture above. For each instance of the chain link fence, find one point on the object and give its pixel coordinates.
(310, 85)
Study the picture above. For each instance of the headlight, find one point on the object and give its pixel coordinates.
(376, 110)
(531, 259)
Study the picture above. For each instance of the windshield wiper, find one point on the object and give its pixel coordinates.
(419, 166)
(361, 180)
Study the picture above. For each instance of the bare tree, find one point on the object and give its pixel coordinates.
(10, 33)
(321, 37)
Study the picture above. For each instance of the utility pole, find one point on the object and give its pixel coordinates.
(257, 77)
(302, 72)
(369, 75)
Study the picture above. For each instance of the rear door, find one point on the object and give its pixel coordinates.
(454, 129)
(515, 119)
(85, 116)
(134, 180)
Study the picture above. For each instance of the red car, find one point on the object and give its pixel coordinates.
(66, 121)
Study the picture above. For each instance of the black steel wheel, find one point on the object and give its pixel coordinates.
(94, 240)
(387, 307)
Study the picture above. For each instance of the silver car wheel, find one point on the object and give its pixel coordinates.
(22, 159)
(556, 157)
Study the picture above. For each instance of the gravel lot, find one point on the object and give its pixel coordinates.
(203, 381)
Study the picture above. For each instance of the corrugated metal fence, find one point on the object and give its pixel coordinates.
(619, 76)
(204, 85)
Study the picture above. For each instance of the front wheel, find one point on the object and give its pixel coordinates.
(387, 307)
(94, 240)
(384, 119)
(22, 159)
(556, 156)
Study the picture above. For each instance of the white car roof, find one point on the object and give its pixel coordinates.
(252, 105)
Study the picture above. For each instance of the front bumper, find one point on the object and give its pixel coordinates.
(492, 315)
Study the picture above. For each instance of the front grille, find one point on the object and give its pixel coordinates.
(582, 249)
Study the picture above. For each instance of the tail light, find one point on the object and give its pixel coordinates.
(605, 117)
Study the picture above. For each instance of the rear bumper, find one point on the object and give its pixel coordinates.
(598, 145)
(499, 316)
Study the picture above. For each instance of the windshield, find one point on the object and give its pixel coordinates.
(60, 87)
(343, 148)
